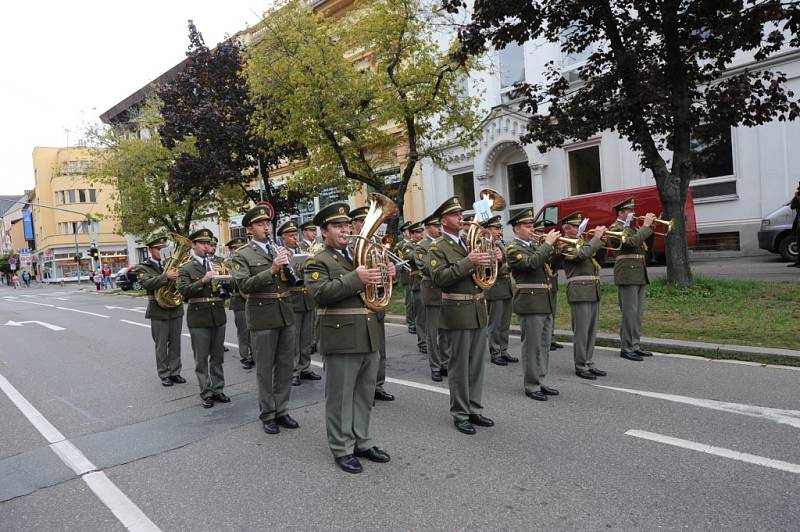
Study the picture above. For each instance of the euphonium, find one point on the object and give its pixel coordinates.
(373, 255)
(477, 240)
(168, 296)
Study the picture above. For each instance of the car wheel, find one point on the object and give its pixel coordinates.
(788, 248)
(137, 285)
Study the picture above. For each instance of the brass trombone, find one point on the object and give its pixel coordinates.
(669, 225)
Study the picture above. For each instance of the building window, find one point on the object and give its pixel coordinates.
(85, 227)
(84, 167)
(584, 170)
(95, 227)
(464, 188)
(60, 197)
(82, 195)
(70, 196)
(73, 167)
(238, 232)
(712, 153)
(512, 65)
(520, 189)
(330, 195)
(92, 195)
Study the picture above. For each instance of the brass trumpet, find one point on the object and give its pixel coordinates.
(620, 236)
(669, 225)
(568, 246)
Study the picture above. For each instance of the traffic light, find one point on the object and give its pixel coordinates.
(94, 253)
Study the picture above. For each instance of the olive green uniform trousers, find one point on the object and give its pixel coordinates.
(584, 332)
(349, 395)
(167, 337)
(536, 331)
(465, 370)
(208, 346)
(274, 355)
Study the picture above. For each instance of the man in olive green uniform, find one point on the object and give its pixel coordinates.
(630, 276)
(555, 263)
(583, 294)
(237, 304)
(403, 278)
(303, 306)
(416, 232)
(357, 216)
(205, 317)
(308, 243)
(165, 323)
(534, 300)
(348, 335)
(432, 299)
(262, 274)
(463, 318)
(498, 299)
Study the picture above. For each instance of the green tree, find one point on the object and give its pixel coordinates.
(363, 93)
(658, 74)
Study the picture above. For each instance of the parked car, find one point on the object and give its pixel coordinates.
(599, 208)
(776, 233)
(127, 279)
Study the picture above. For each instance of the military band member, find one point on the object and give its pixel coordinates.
(216, 259)
(432, 299)
(630, 276)
(303, 305)
(261, 273)
(555, 261)
(533, 301)
(349, 336)
(205, 316)
(498, 299)
(358, 215)
(165, 323)
(463, 319)
(583, 294)
(400, 249)
(237, 306)
(309, 236)
(416, 232)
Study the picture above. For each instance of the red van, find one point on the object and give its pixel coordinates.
(599, 208)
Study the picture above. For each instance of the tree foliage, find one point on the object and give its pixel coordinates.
(362, 93)
(658, 73)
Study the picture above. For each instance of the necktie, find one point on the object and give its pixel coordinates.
(205, 264)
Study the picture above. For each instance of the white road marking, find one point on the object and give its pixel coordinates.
(35, 303)
(716, 451)
(43, 324)
(402, 382)
(136, 323)
(776, 415)
(130, 515)
(83, 312)
(229, 344)
(109, 307)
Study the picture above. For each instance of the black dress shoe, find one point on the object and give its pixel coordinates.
(630, 356)
(349, 464)
(443, 372)
(381, 395)
(464, 426)
(481, 421)
(373, 454)
(643, 353)
(537, 395)
(555, 345)
(295, 380)
(310, 376)
(270, 427)
(248, 364)
(221, 398)
(177, 379)
(286, 421)
(499, 360)
(207, 402)
(548, 390)
(225, 348)
(423, 350)
(597, 372)
(509, 358)
(436, 375)
(166, 381)
(412, 330)
(585, 374)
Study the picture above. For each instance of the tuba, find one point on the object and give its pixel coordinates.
(486, 276)
(168, 296)
(373, 255)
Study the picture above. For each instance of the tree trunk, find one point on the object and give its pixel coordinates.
(672, 193)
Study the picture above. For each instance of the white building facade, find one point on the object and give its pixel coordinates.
(751, 174)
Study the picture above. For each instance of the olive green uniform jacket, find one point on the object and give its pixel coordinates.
(431, 294)
(191, 286)
(502, 288)
(452, 272)
(152, 277)
(529, 264)
(252, 270)
(583, 265)
(629, 268)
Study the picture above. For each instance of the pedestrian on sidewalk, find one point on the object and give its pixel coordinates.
(15, 280)
(795, 206)
(26, 278)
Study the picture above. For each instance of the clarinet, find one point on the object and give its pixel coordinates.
(290, 275)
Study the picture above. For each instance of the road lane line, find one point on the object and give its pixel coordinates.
(402, 382)
(130, 515)
(716, 451)
(136, 323)
(776, 415)
(35, 303)
(83, 312)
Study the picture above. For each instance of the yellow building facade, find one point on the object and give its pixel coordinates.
(70, 212)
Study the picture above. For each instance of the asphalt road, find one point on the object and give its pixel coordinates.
(572, 463)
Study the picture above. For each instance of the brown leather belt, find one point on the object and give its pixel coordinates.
(268, 295)
(583, 278)
(297, 289)
(462, 297)
(204, 299)
(630, 256)
(344, 311)
(533, 285)
(415, 272)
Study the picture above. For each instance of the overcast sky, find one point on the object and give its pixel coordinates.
(65, 63)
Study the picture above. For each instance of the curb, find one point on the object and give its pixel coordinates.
(666, 345)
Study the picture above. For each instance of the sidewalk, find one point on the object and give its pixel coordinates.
(665, 345)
